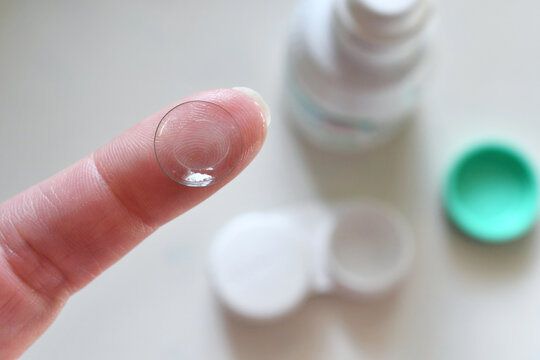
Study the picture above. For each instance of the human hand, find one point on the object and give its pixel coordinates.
(59, 235)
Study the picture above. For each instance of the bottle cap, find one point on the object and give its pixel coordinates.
(388, 7)
(491, 193)
(380, 21)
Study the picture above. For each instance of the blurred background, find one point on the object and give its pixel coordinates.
(75, 74)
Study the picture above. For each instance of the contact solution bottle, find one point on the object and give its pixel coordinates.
(355, 68)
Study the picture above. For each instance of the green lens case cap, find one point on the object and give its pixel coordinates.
(491, 193)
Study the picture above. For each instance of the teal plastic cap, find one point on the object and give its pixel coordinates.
(491, 193)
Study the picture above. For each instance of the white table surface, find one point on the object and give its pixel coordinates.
(74, 74)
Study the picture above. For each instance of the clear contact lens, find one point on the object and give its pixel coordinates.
(198, 143)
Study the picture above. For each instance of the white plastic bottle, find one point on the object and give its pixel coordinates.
(355, 68)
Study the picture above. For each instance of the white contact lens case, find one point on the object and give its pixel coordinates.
(264, 264)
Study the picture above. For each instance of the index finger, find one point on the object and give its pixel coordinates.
(80, 221)
(60, 234)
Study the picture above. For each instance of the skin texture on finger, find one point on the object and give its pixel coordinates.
(60, 234)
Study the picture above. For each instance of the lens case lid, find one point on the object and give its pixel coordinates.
(491, 193)
(264, 264)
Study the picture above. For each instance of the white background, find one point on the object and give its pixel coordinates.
(74, 74)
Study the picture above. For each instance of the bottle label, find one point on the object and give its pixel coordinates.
(336, 130)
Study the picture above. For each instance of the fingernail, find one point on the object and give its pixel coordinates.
(257, 98)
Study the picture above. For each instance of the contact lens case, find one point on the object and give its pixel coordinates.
(263, 265)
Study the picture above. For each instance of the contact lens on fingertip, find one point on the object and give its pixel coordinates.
(198, 143)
